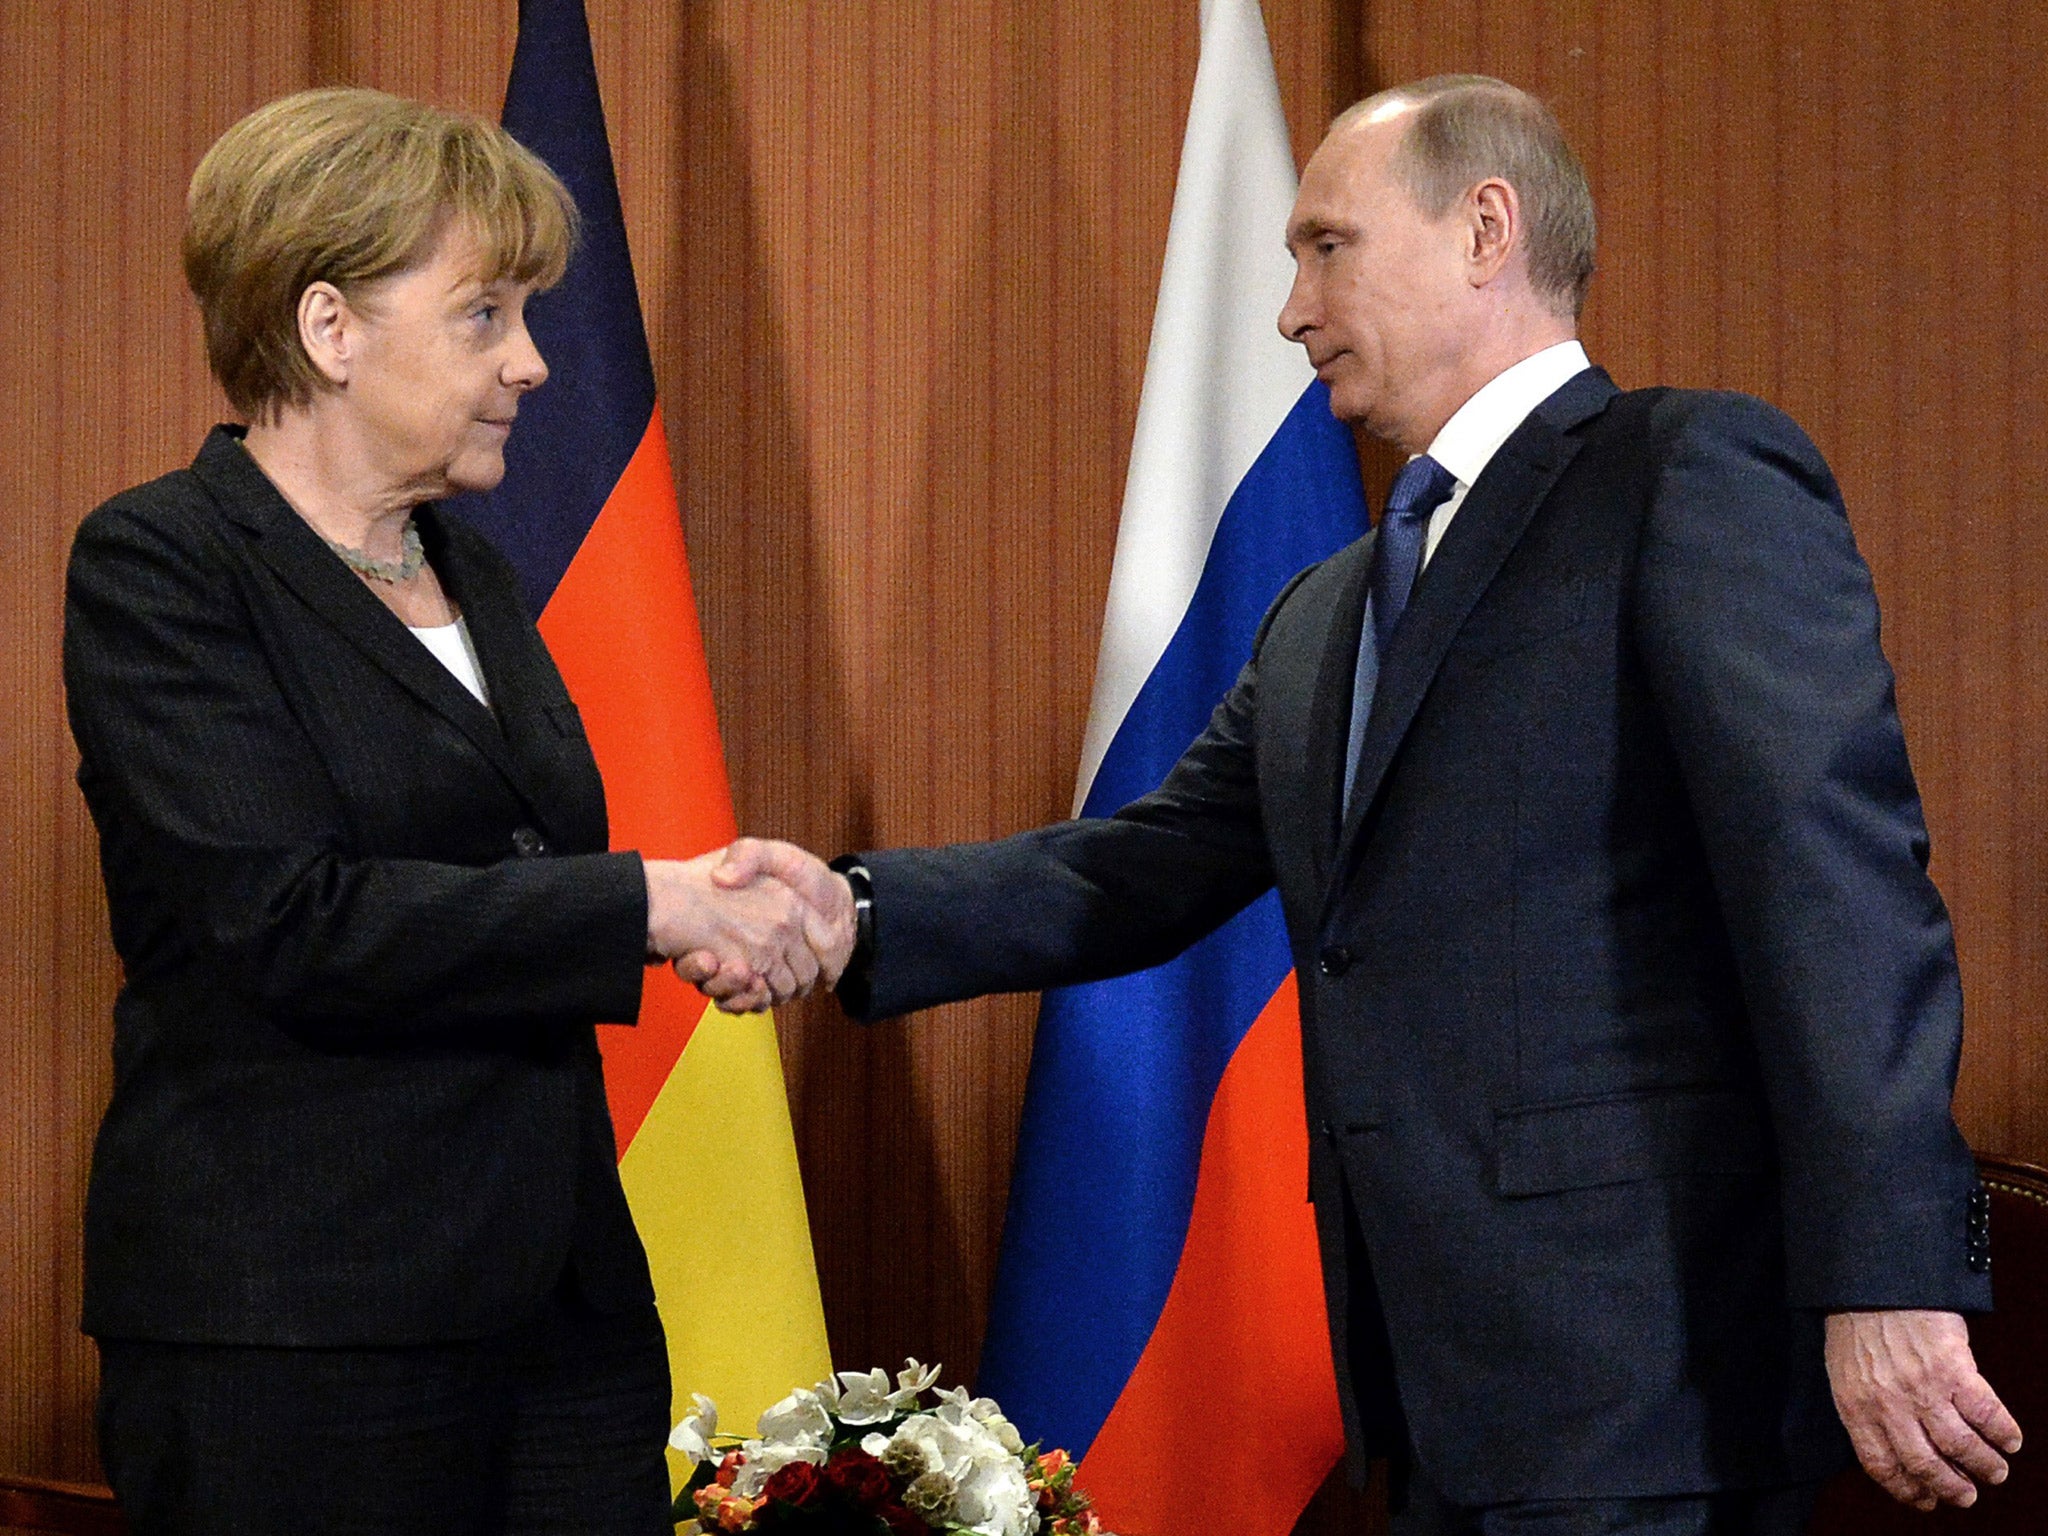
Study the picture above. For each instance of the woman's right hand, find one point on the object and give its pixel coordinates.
(744, 948)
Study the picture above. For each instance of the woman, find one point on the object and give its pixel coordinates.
(357, 1257)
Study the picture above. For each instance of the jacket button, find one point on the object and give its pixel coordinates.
(1334, 961)
(527, 843)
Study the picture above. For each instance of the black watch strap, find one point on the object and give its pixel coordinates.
(854, 987)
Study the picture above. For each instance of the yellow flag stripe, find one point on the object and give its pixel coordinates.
(713, 1182)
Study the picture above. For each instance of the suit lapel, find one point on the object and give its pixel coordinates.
(1330, 710)
(1481, 537)
(296, 554)
(518, 672)
(491, 620)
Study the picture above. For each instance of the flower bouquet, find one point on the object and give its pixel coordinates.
(854, 1456)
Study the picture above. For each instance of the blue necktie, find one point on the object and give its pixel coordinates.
(1419, 489)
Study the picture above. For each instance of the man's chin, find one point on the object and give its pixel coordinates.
(1348, 406)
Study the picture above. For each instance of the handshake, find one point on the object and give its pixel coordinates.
(750, 925)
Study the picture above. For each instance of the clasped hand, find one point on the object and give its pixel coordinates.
(751, 925)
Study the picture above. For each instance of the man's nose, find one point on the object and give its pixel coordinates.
(1295, 322)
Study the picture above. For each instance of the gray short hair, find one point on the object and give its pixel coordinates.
(1471, 127)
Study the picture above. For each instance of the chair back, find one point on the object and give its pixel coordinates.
(74, 1509)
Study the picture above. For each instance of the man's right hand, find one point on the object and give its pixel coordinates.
(1923, 1421)
(827, 898)
(746, 946)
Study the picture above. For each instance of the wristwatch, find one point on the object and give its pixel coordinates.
(853, 988)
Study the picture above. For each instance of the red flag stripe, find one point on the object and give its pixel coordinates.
(623, 629)
(1243, 1323)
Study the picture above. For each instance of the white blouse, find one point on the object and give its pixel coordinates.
(453, 648)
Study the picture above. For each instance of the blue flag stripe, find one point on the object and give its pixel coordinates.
(576, 434)
(1123, 1072)
(1300, 502)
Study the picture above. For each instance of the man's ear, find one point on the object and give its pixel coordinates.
(1494, 230)
(329, 331)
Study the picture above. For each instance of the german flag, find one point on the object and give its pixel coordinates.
(587, 514)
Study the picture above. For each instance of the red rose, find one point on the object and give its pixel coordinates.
(860, 1478)
(799, 1483)
(901, 1522)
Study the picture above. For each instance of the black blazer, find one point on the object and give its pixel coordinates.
(367, 926)
(1630, 1016)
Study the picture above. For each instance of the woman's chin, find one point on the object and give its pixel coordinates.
(476, 472)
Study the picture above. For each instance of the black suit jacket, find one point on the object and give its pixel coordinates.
(1630, 1016)
(367, 926)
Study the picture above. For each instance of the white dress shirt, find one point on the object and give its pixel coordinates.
(1468, 440)
(1475, 432)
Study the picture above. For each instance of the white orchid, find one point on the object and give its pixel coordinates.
(800, 1419)
(982, 1410)
(912, 1382)
(765, 1458)
(865, 1398)
(694, 1435)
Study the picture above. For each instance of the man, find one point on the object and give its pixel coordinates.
(1630, 1017)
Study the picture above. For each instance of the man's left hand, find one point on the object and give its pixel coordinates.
(1923, 1421)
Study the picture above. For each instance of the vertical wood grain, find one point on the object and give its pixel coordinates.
(103, 112)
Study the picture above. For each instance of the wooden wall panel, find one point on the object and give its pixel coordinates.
(103, 111)
(897, 260)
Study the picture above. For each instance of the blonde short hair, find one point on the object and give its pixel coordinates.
(347, 186)
(1468, 128)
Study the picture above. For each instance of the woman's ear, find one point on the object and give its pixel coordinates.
(329, 330)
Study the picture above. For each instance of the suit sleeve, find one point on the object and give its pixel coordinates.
(215, 793)
(1758, 626)
(1084, 899)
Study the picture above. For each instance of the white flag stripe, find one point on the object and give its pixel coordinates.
(1219, 377)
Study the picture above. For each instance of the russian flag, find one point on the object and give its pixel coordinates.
(1159, 1274)
(587, 514)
